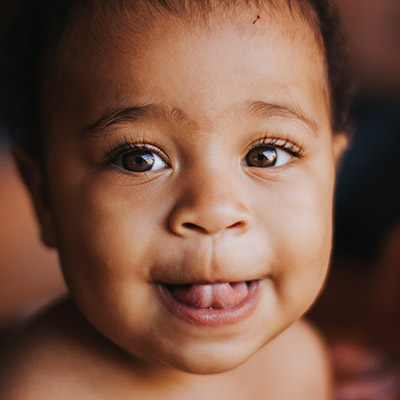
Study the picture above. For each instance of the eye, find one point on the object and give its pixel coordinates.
(266, 157)
(141, 160)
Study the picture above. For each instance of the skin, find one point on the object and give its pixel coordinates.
(204, 215)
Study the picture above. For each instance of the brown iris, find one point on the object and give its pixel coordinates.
(138, 160)
(261, 157)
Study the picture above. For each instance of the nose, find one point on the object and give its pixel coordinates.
(209, 206)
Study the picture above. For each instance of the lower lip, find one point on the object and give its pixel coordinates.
(213, 317)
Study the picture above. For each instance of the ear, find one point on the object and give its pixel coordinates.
(32, 174)
(340, 144)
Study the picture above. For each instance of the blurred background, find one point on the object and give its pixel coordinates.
(359, 311)
(29, 273)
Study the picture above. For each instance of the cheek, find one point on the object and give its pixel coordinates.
(308, 224)
(103, 235)
(104, 242)
(307, 245)
(300, 233)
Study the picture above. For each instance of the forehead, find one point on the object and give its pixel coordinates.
(144, 62)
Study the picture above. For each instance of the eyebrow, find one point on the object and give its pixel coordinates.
(287, 111)
(140, 113)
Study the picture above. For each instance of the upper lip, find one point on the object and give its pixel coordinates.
(208, 281)
(210, 261)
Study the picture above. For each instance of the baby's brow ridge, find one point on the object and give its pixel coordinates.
(282, 110)
(132, 114)
(139, 113)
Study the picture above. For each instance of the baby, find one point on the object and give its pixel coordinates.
(180, 156)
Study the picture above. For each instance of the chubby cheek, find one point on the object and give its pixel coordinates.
(301, 238)
(104, 240)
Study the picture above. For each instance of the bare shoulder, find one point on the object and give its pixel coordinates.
(299, 364)
(54, 357)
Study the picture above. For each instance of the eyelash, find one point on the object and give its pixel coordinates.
(125, 146)
(120, 149)
(287, 144)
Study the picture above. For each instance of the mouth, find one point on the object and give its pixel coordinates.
(211, 304)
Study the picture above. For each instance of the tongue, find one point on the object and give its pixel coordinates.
(217, 295)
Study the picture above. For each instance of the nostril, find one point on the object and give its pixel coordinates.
(189, 225)
(194, 227)
(238, 224)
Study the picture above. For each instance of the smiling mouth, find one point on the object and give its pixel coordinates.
(214, 304)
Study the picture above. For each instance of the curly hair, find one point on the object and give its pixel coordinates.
(36, 26)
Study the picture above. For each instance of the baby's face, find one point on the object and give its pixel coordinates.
(194, 156)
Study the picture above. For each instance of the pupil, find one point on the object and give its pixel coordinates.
(138, 161)
(261, 157)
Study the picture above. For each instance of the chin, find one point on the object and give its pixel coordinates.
(211, 362)
(209, 368)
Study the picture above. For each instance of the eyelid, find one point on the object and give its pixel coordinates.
(282, 142)
(120, 149)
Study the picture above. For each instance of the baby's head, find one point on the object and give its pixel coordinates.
(181, 157)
